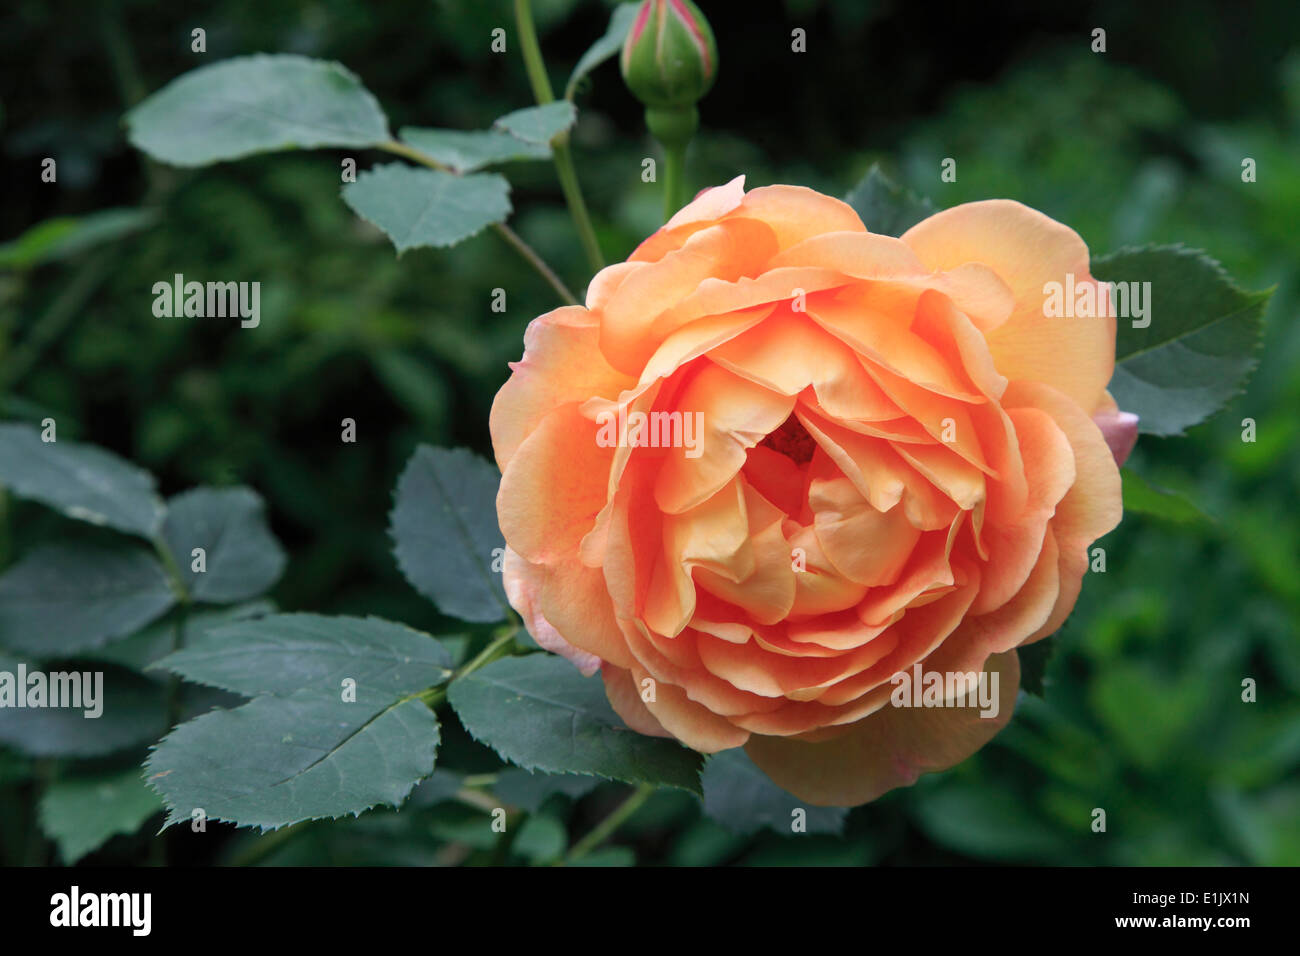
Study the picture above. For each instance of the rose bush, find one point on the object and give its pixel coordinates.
(897, 463)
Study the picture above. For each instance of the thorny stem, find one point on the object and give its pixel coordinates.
(505, 232)
(563, 156)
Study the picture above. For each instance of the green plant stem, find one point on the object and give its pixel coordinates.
(560, 150)
(533, 63)
(177, 584)
(674, 180)
(564, 168)
(505, 232)
(498, 647)
(609, 826)
(174, 682)
(168, 561)
(533, 259)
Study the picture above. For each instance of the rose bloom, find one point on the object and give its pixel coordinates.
(885, 455)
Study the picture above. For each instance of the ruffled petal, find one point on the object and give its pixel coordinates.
(523, 585)
(890, 748)
(553, 487)
(562, 363)
(1074, 354)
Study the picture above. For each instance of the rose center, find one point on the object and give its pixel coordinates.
(792, 440)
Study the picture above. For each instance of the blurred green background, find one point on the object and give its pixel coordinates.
(1142, 715)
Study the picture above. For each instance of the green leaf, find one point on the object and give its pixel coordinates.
(63, 237)
(445, 532)
(303, 749)
(704, 843)
(741, 797)
(620, 22)
(465, 152)
(278, 760)
(65, 598)
(540, 124)
(439, 787)
(529, 791)
(465, 826)
(82, 481)
(384, 839)
(282, 654)
(1264, 827)
(81, 814)
(158, 640)
(540, 840)
(427, 207)
(255, 104)
(981, 822)
(885, 207)
(1145, 713)
(133, 712)
(242, 557)
(538, 712)
(1199, 347)
(1142, 497)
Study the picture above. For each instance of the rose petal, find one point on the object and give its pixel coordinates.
(523, 591)
(891, 748)
(1073, 354)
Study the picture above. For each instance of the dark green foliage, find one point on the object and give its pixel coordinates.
(1142, 712)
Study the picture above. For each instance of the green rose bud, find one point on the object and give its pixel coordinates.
(669, 58)
(669, 61)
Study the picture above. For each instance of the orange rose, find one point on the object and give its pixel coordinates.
(778, 460)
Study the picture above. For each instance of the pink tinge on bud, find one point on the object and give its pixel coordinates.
(522, 591)
(638, 28)
(1120, 429)
(660, 9)
(697, 34)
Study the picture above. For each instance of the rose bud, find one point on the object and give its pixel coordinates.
(669, 57)
(669, 62)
